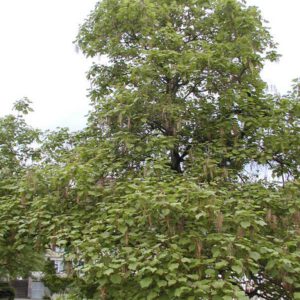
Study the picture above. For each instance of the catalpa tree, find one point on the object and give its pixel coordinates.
(154, 198)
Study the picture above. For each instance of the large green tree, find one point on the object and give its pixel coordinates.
(153, 200)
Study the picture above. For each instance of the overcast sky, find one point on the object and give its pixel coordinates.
(38, 59)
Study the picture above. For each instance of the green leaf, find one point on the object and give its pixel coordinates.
(297, 295)
(261, 222)
(20, 247)
(238, 269)
(241, 295)
(108, 271)
(221, 264)
(146, 282)
(171, 282)
(210, 272)
(152, 295)
(116, 279)
(173, 267)
(133, 266)
(162, 283)
(254, 255)
(123, 228)
(186, 260)
(218, 284)
(180, 291)
(245, 224)
(271, 263)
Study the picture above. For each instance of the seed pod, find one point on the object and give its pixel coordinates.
(219, 221)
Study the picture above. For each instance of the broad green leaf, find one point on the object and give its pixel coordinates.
(238, 269)
(115, 278)
(146, 282)
(254, 255)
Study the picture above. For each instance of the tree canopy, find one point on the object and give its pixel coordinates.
(156, 197)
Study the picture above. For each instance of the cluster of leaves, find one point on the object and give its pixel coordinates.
(151, 200)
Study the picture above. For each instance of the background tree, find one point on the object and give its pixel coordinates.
(17, 151)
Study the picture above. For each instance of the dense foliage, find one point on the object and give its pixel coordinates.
(17, 257)
(54, 282)
(156, 198)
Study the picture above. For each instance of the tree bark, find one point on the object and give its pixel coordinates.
(176, 161)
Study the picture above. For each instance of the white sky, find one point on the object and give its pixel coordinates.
(284, 24)
(38, 59)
